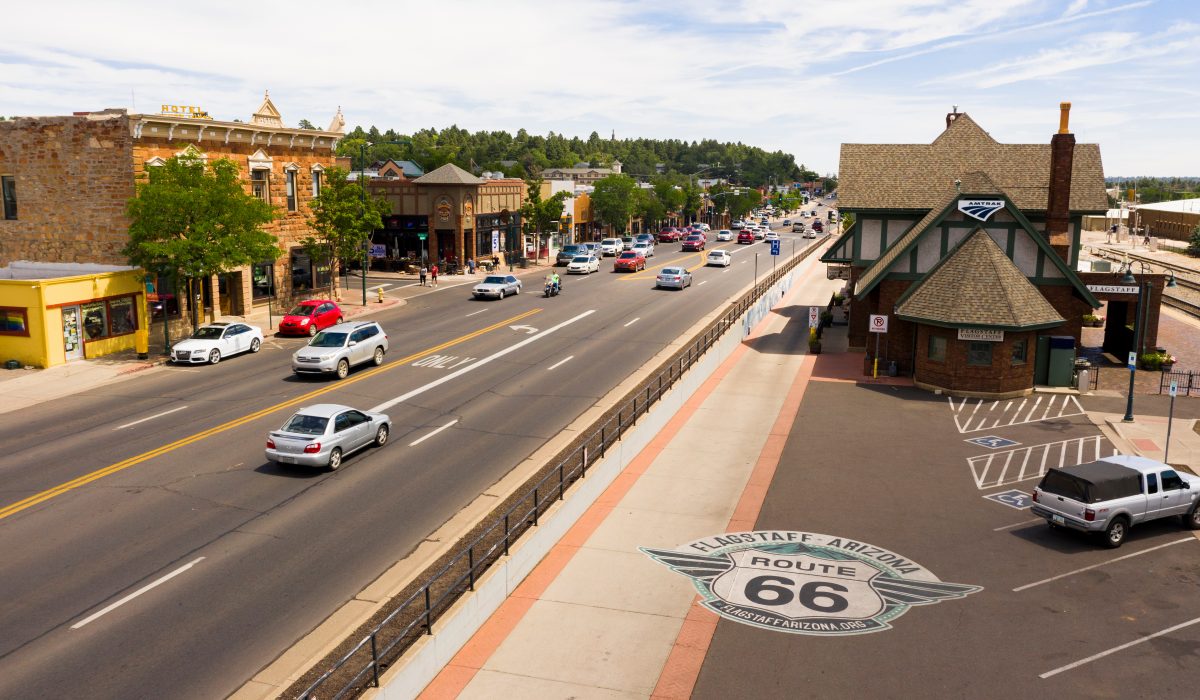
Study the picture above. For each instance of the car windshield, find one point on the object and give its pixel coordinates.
(301, 310)
(493, 279)
(611, 241)
(306, 425)
(328, 340)
(207, 333)
(581, 259)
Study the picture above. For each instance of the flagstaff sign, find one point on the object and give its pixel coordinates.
(984, 334)
(804, 582)
(981, 209)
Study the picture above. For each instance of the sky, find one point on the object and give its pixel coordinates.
(791, 75)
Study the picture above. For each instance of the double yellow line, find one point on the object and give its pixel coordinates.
(46, 495)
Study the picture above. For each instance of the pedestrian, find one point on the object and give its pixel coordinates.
(424, 272)
(1146, 240)
(471, 265)
(433, 272)
(496, 262)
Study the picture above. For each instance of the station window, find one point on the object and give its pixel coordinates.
(316, 190)
(937, 348)
(9, 186)
(260, 181)
(979, 353)
(14, 321)
(1020, 348)
(291, 190)
(263, 280)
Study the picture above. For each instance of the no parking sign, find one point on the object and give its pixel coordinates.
(878, 323)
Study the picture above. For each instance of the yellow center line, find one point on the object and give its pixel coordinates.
(75, 483)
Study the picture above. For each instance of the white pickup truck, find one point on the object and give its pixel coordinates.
(1113, 494)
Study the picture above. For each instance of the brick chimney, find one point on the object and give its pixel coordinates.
(1058, 205)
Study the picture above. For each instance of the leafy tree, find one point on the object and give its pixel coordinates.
(195, 221)
(1193, 248)
(305, 124)
(541, 214)
(668, 194)
(692, 196)
(648, 206)
(341, 221)
(613, 200)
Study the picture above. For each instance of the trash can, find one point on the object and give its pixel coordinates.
(892, 371)
(1083, 380)
(141, 341)
(1153, 243)
(524, 263)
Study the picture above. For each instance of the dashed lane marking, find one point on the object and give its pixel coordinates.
(980, 415)
(1012, 466)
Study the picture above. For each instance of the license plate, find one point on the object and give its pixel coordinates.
(287, 460)
(1058, 519)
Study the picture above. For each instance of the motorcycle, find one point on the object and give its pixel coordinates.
(551, 290)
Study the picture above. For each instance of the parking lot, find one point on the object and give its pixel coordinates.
(945, 484)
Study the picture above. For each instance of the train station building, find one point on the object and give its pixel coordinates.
(967, 251)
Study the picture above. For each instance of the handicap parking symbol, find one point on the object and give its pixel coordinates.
(1012, 498)
(992, 442)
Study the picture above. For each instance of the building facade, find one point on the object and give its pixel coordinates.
(582, 174)
(966, 248)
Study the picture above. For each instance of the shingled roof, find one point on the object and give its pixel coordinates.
(976, 285)
(915, 176)
(880, 267)
(448, 174)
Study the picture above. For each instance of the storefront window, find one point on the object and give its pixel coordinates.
(321, 275)
(123, 315)
(937, 348)
(263, 281)
(163, 298)
(1019, 348)
(301, 270)
(13, 321)
(95, 319)
(979, 353)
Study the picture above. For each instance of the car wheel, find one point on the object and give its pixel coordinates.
(343, 369)
(214, 356)
(335, 459)
(312, 329)
(381, 436)
(339, 319)
(378, 357)
(517, 290)
(1114, 534)
(255, 345)
(1192, 519)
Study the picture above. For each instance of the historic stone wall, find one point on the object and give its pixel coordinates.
(72, 179)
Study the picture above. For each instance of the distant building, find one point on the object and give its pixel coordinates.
(1174, 220)
(582, 174)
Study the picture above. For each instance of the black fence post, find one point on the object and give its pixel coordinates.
(428, 614)
(471, 568)
(535, 506)
(506, 534)
(374, 660)
(603, 443)
(583, 470)
(560, 481)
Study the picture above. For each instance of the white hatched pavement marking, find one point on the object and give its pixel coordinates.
(1086, 449)
(1011, 412)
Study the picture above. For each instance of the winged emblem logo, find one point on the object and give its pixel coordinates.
(805, 583)
(981, 209)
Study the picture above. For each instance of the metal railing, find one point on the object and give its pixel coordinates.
(453, 576)
(1185, 382)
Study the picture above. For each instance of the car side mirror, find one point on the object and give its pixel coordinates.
(353, 343)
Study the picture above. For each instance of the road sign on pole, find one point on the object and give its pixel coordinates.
(814, 317)
(1132, 361)
(775, 247)
(877, 324)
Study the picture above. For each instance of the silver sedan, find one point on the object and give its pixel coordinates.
(324, 434)
(497, 287)
(677, 277)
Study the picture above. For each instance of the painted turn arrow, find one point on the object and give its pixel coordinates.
(530, 330)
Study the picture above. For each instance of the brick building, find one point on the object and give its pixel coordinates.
(69, 178)
(969, 247)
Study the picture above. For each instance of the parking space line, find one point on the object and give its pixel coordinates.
(476, 312)
(1023, 522)
(156, 415)
(1032, 410)
(633, 321)
(1115, 649)
(1027, 586)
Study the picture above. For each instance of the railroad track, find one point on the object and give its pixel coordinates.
(1185, 296)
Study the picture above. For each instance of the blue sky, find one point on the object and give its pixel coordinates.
(793, 75)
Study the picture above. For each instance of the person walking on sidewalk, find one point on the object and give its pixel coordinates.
(433, 272)
(471, 265)
(424, 272)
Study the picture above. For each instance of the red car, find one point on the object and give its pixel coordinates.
(694, 242)
(745, 236)
(631, 261)
(670, 234)
(308, 317)
(818, 227)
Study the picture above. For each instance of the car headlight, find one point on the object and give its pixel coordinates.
(326, 358)
(303, 321)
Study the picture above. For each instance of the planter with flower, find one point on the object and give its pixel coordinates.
(1093, 320)
(1157, 361)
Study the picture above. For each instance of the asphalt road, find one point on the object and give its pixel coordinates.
(164, 557)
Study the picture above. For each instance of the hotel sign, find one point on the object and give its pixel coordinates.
(185, 111)
(1112, 289)
(982, 334)
(981, 209)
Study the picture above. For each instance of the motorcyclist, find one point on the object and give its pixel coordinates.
(556, 281)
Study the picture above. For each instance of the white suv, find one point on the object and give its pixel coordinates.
(338, 348)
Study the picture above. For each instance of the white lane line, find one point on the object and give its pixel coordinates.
(702, 283)
(563, 361)
(1122, 647)
(476, 312)
(419, 440)
(156, 415)
(633, 321)
(1027, 586)
(1023, 522)
(494, 356)
(138, 592)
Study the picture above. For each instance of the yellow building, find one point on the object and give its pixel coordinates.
(51, 313)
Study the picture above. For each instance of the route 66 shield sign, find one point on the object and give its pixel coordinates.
(805, 582)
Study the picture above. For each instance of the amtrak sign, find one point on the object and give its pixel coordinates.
(805, 582)
(981, 209)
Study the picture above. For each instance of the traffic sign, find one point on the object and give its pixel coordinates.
(1132, 362)
(775, 247)
(1174, 388)
(878, 323)
(422, 236)
(814, 317)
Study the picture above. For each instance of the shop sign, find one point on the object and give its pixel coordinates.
(185, 111)
(378, 250)
(1112, 289)
(981, 209)
(983, 334)
(443, 209)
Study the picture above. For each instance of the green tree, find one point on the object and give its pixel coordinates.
(648, 206)
(341, 221)
(670, 196)
(540, 214)
(195, 221)
(692, 196)
(305, 124)
(1193, 248)
(613, 200)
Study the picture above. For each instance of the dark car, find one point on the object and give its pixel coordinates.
(569, 253)
(818, 227)
(693, 242)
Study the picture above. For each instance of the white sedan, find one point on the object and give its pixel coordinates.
(645, 248)
(771, 236)
(215, 341)
(724, 235)
(583, 265)
(720, 258)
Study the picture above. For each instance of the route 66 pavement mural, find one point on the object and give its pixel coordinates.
(805, 582)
